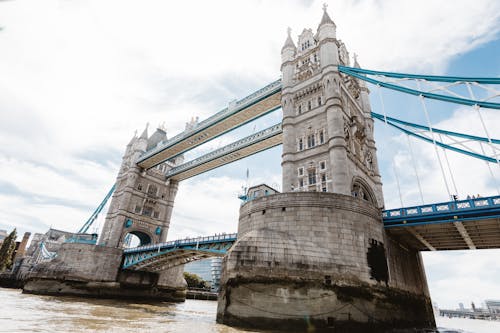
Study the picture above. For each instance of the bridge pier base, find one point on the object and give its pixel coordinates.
(321, 261)
(95, 271)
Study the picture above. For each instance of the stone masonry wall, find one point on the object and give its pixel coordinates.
(321, 260)
(81, 262)
(290, 233)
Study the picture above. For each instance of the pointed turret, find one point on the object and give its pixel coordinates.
(144, 134)
(289, 41)
(156, 138)
(287, 56)
(326, 28)
(142, 141)
(288, 50)
(355, 58)
(132, 140)
(326, 18)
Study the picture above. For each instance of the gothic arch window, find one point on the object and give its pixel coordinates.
(360, 189)
(152, 189)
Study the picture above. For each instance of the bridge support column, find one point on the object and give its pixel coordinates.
(320, 261)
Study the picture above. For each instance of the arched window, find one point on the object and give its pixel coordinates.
(360, 189)
(152, 190)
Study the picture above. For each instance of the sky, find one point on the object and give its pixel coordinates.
(78, 78)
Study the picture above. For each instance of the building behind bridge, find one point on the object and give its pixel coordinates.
(208, 269)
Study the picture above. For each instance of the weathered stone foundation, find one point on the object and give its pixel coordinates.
(95, 271)
(320, 260)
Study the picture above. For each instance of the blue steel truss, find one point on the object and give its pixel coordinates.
(228, 149)
(363, 74)
(259, 95)
(207, 246)
(95, 214)
(443, 212)
(393, 122)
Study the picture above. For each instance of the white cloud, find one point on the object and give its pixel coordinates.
(78, 77)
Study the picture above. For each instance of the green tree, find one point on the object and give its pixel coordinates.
(195, 281)
(7, 249)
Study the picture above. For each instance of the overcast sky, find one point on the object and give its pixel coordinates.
(77, 78)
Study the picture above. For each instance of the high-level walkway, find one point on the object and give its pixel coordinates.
(259, 103)
(252, 144)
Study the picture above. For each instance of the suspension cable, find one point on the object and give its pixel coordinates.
(393, 160)
(397, 181)
(477, 108)
(449, 167)
(434, 140)
(414, 163)
(489, 168)
(490, 143)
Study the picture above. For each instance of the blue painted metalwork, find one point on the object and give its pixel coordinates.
(435, 130)
(128, 223)
(444, 212)
(391, 121)
(485, 80)
(228, 149)
(158, 231)
(457, 100)
(95, 214)
(210, 245)
(83, 239)
(241, 105)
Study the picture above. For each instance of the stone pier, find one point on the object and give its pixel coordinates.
(95, 271)
(320, 261)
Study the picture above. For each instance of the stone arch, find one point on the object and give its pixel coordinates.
(145, 237)
(361, 189)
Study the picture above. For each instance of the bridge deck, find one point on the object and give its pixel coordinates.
(243, 111)
(159, 257)
(455, 225)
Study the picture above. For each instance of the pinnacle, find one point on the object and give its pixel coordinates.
(326, 18)
(144, 134)
(289, 41)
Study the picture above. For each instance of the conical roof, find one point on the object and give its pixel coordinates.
(289, 40)
(144, 134)
(326, 18)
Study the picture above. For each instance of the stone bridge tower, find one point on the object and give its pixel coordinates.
(143, 199)
(317, 257)
(328, 143)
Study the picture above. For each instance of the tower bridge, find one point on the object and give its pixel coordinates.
(327, 237)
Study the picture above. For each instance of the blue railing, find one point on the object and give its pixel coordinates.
(216, 245)
(184, 242)
(452, 211)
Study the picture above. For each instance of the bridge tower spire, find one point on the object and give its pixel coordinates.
(143, 199)
(323, 238)
(328, 143)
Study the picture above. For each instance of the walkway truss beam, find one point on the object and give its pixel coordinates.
(257, 142)
(258, 104)
(159, 257)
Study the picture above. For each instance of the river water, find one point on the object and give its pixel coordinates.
(32, 313)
